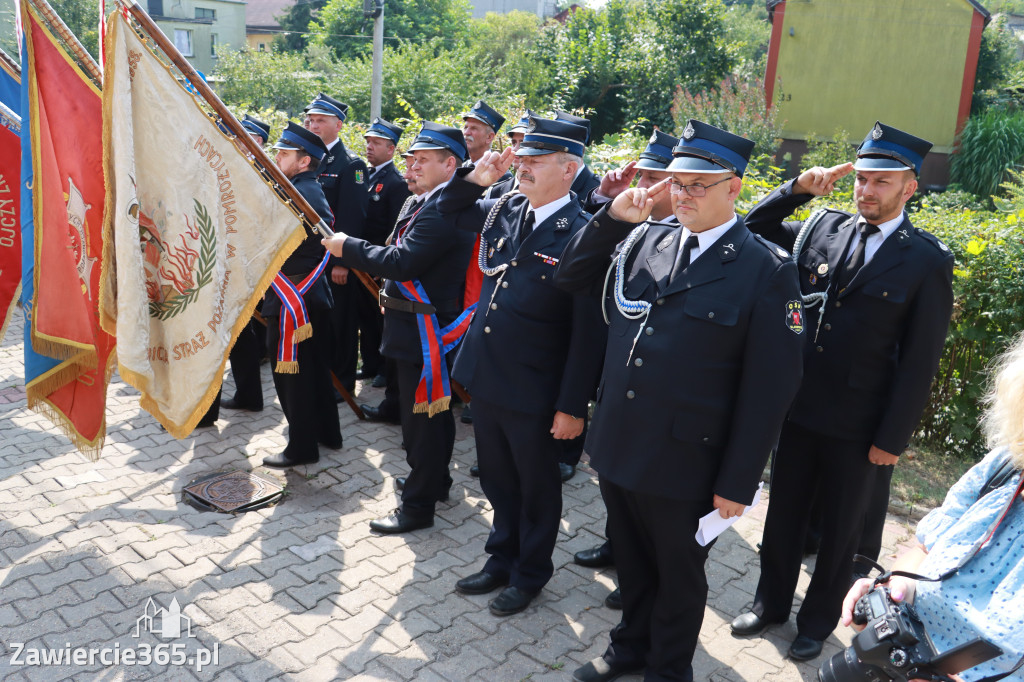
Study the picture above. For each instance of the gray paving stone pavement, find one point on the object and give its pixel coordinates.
(303, 590)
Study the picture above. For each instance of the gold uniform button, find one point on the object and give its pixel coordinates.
(487, 330)
(504, 285)
(649, 331)
(820, 349)
(494, 306)
(639, 362)
(828, 327)
(630, 395)
(711, 316)
(660, 301)
(515, 263)
(839, 304)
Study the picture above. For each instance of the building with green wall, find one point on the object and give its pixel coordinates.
(198, 27)
(843, 64)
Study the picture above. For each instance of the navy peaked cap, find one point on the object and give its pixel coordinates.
(256, 127)
(484, 113)
(297, 138)
(888, 148)
(436, 136)
(703, 148)
(522, 124)
(569, 118)
(384, 129)
(545, 136)
(328, 106)
(658, 153)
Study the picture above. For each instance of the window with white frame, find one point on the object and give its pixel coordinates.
(183, 41)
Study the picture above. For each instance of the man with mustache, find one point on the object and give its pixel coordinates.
(532, 356)
(879, 293)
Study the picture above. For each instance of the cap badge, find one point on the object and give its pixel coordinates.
(689, 132)
(823, 269)
(654, 138)
(876, 133)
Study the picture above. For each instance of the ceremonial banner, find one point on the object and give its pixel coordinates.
(10, 222)
(10, 83)
(197, 233)
(66, 352)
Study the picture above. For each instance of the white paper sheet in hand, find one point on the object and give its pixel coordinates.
(713, 525)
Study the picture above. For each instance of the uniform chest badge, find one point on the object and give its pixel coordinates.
(823, 269)
(550, 260)
(375, 197)
(359, 177)
(561, 223)
(795, 316)
(380, 186)
(812, 278)
(490, 252)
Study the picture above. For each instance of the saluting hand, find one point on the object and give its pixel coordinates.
(618, 181)
(821, 181)
(566, 426)
(635, 204)
(490, 167)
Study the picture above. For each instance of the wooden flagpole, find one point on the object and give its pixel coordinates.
(82, 55)
(11, 64)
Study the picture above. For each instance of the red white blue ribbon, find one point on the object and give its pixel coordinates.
(294, 323)
(433, 393)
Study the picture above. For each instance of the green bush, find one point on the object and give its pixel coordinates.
(991, 143)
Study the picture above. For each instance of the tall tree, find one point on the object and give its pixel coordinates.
(341, 25)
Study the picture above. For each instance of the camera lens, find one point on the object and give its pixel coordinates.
(844, 667)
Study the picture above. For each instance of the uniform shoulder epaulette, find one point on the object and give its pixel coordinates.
(352, 156)
(776, 250)
(932, 239)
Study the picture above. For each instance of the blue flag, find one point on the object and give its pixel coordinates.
(10, 83)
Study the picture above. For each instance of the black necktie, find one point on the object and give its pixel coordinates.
(527, 226)
(856, 261)
(683, 259)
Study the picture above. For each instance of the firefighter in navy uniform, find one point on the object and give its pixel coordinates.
(479, 126)
(868, 362)
(508, 181)
(301, 367)
(532, 357)
(701, 363)
(425, 267)
(343, 178)
(649, 170)
(386, 193)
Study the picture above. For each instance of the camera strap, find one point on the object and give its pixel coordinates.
(1000, 477)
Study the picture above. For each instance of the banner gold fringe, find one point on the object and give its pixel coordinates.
(302, 333)
(287, 367)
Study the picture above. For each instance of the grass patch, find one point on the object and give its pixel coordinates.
(922, 478)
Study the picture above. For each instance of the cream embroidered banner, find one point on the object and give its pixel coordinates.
(195, 231)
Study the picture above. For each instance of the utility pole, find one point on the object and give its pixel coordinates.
(374, 9)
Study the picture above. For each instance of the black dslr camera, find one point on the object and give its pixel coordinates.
(894, 646)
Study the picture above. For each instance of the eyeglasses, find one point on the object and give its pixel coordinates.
(696, 190)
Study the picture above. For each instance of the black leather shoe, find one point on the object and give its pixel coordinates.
(467, 415)
(400, 485)
(232, 404)
(599, 670)
(400, 522)
(474, 471)
(511, 600)
(804, 648)
(280, 461)
(374, 414)
(614, 600)
(749, 623)
(566, 471)
(480, 583)
(598, 557)
(380, 381)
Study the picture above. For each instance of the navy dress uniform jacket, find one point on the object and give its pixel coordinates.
(532, 347)
(700, 403)
(342, 175)
(309, 253)
(584, 184)
(506, 183)
(433, 251)
(386, 192)
(867, 377)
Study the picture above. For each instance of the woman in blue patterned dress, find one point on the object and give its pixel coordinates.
(985, 598)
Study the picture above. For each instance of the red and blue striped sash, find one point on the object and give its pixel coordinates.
(433, 393)
(294, 322)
